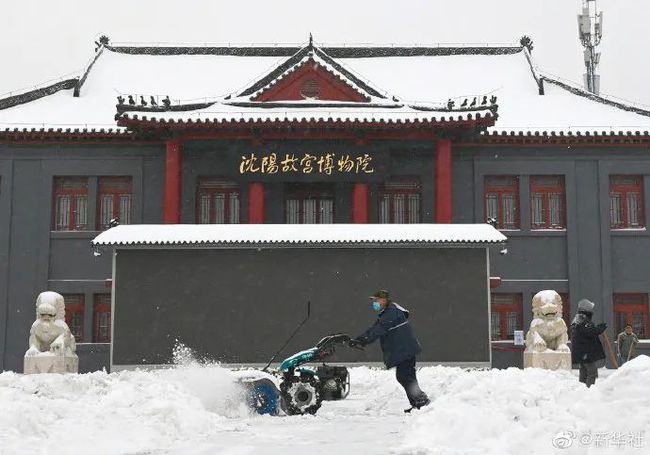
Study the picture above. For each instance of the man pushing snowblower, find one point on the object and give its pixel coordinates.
(398, 343)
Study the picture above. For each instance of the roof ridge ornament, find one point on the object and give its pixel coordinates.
(103, 40)
(526, 42)
(310, 47)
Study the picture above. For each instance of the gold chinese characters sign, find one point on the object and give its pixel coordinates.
(306, 164)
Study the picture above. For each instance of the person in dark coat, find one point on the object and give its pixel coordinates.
(398, 343)
(586, 348)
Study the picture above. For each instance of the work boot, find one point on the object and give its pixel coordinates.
(418, 404)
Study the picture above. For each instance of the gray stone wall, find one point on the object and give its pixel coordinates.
(587, 260)
(38, 258)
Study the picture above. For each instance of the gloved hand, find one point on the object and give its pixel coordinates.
(602, 326)
(357, 342)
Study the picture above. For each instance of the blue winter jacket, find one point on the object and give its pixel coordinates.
(396, 337)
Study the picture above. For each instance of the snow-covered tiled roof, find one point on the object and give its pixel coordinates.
(509, 77)
(227, 113)
(308, 234)
(191, 78)
(412, 77)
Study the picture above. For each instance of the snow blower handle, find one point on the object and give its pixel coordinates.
(290, 338)
(356, 343)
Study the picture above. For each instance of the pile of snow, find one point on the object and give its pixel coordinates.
(125, 412)
(484, 412)
(197, 409)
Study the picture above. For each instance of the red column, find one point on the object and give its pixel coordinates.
(256, 203)
(443, 181)
(173, 167)
(360, 203)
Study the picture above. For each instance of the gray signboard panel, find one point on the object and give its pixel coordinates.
(240, 305)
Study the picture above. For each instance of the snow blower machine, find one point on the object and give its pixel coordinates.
(295, 389)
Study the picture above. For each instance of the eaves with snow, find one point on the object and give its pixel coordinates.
(494, 90)
(303, 234)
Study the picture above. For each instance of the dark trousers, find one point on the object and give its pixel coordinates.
(405, 373)
(588, 373)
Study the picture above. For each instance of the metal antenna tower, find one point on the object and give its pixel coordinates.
(590, 30)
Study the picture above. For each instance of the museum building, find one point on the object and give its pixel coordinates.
(317, 134)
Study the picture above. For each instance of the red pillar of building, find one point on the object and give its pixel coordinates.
(256, 203)
(173, 177)
(443, 181)
(360, 203)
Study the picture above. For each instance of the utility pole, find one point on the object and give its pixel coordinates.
(590, 30)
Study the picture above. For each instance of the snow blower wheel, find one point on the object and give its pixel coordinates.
(302, 396)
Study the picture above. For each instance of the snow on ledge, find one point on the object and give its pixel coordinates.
(215, 234)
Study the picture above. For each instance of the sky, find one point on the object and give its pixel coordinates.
(42, 40)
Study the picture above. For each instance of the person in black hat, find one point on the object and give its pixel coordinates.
(398, 343)
(586, 348)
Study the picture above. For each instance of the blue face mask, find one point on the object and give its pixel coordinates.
(376, 306)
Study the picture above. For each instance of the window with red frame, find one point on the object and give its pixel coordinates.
(626, 202)
(70, 200)
(506, 316)
(632, 309)
(309, 204)
(547, 202)
(102, 318)
(502, 201)
(114, 201)
(217, 201)
(74, 315)
(399, 201)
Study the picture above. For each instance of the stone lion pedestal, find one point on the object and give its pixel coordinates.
(546, 341)
(550, 360)
(51, 363)
(51, 345)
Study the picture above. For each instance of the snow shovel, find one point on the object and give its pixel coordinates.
(609, 348)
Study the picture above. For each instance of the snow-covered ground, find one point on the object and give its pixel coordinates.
(196, 409)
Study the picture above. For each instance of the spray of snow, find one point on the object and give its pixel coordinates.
(214, 386)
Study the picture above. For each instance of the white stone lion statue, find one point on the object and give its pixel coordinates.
(51, 344)
(547, 329)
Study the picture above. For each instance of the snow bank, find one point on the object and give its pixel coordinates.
(197, 409)
(484, 412)
(125, 412)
